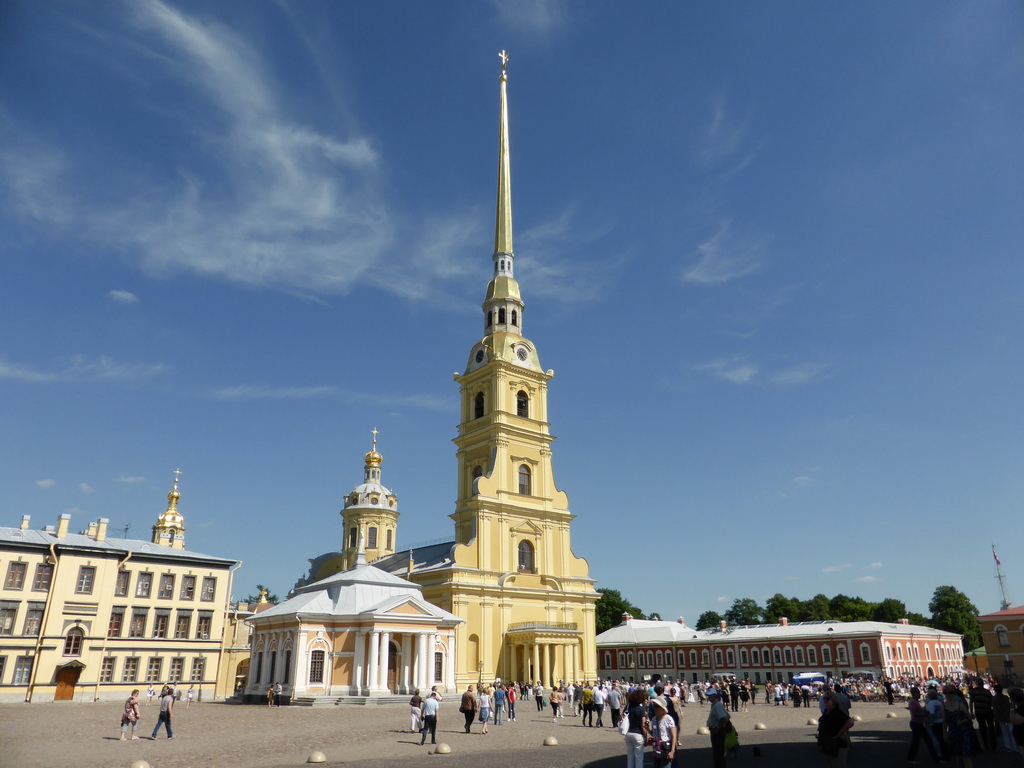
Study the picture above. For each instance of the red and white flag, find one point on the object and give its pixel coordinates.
(995, 555)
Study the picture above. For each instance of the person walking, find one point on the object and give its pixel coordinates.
(130, 718)
(166, 707)
(189, 696)
(919, 728)
(719, 724)
(431, 707)
(615, 704)
(636, 735)
(981, 707)
(1001, 712)
(416, 712)
(485, 707)
(833, 725)
(556, 702)
(500, 698)
(936, 721)
(665, 734)
(538, 694)
(588, 706)
(958, 726)
(600, 697)
(150, 694)
(512, 696)
(468, 707)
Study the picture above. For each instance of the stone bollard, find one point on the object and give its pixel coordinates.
(811, 721)
(890, 715)
(442, 749)
(550, 741)
(316, 757)
(760, 727)
(859, 719)
(140, 764)
(703, 731)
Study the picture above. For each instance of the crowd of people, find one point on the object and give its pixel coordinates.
(953, 719)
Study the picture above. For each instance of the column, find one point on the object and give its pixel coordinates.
(372, 671)
(570, 670)
(385, 651)
(545, 665)
(513, 662)
(535, 672)
(406, 658)
(449, 681)
(421, 655)
(359, 662)
(432, 639)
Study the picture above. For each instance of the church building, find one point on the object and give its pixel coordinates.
(524, 600)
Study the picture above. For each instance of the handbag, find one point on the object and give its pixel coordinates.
(732, 739)
(624, 724)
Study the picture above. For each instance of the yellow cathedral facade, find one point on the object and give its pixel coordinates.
(525, 600)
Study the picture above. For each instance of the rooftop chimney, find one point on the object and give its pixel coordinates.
(904, 621)
(722, 624)
(24, 522)
(783, 621)
(91, 531)
(101, 529)
(681, 621)
(626, 617)
(62, 525)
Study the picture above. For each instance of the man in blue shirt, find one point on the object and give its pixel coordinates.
(499, 704)
(430, 707)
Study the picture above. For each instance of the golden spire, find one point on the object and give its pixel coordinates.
(503, 218)
(373, 458)
(170, 526)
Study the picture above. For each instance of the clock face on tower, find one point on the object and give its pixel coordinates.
(523, 353)
(479, 356)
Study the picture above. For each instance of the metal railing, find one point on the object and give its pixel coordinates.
(560, 625)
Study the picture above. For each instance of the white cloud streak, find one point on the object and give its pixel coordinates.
(81, 368)
(836, 568)
(123, 297)
(47, 482)
(130, 479)
(86, 488)
(536, 16)
(735, 370)
(724, 256)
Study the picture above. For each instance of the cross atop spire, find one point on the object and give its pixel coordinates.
(177, 474)
(503, 218)
(375, 433)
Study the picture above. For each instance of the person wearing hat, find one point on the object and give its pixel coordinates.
(719, 725)
(832, 728)
(665, 734)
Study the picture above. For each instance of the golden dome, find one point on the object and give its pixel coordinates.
(374, 458)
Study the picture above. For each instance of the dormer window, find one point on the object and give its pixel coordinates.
(478, 406)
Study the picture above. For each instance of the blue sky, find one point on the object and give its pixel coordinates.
(772, 252)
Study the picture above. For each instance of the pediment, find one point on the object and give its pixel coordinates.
(526, 528)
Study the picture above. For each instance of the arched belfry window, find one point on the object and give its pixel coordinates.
(515, 318)
(478, 406)
(352, 536)
(524, 479)
(371, 537)
(525, 556)
(490, 318)
(501, 316)
(522, 404)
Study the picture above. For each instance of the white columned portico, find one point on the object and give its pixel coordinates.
(449, 680)
(371, 668)
(421, 662)
(535, 672)
(385, 650)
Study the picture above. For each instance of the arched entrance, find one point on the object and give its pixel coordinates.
(67, 679)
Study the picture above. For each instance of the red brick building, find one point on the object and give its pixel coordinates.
(637, 649)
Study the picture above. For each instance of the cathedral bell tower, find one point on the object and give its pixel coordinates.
(170, 526)
(527, 599)
(370, 514)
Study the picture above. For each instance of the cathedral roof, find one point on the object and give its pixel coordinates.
(359, 590)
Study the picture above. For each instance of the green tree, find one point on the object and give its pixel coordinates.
(610, 607)
(744, 611)
(953, 611)
(781, 607)
(709, 620)
(655, 616)
(890, 611)
(271, 598)
(816, 609)
(845, 608)
(918, 619)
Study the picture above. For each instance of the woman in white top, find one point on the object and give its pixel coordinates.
(485, 707)
(665, 735)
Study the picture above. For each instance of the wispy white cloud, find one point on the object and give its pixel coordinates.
(791, 578)
(724, 136)
(46, 482)
(124, 297)
(726, 255)
(722, 599)
(130, 479)
(537, 16)
(876, 564)
(256, 392)
(868, 579)
(836, 568)
(805, 373)
(86, 488)
(245, 392)
(73, 511)
(735, 370)
(81, 368)
(802, 481)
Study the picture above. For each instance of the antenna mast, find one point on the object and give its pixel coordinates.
(1005, 604)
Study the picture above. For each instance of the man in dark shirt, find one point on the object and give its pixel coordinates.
(981, 708)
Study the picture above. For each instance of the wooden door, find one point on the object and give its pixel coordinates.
(67, 678)
(393, 668)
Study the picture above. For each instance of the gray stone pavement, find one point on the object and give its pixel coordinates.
(213, 735)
